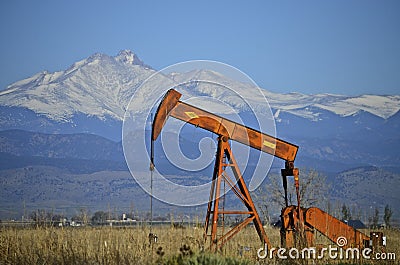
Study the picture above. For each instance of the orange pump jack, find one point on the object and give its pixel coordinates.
(298, 224)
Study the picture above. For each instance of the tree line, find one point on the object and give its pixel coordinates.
(374, 219)
(84, 216)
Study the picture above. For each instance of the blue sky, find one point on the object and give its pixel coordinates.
(344, 47)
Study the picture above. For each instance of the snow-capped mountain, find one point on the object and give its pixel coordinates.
(99, 86)
(102, 85)
(298, 104)
(92, 95)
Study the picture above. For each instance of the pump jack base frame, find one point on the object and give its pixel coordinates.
(224, 159)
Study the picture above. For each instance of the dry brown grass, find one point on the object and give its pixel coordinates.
(130, 245)
(109, 245)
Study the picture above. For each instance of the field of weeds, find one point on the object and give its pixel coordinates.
(131, 245)
(112, 245)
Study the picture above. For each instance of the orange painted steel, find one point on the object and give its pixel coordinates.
(169, 102)
(316, 219)
(294, 232)
(226, 130)
(333, 228)
(298, 224)
(171, 106)
(224, 155)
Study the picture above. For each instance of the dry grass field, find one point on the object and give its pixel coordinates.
(130, 245)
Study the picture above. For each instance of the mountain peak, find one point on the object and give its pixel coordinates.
(95, 56)
(128, 57)
(97, 86)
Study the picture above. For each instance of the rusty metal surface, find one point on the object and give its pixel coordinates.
(169, 101)
(171, 106)
(289, 225)
(294, 232)
(314, 218)
(214, 212)
(298, 224)
(226, 130)
(234, 131)
(333, 228)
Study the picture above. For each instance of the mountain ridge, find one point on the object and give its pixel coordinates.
(102, 85)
